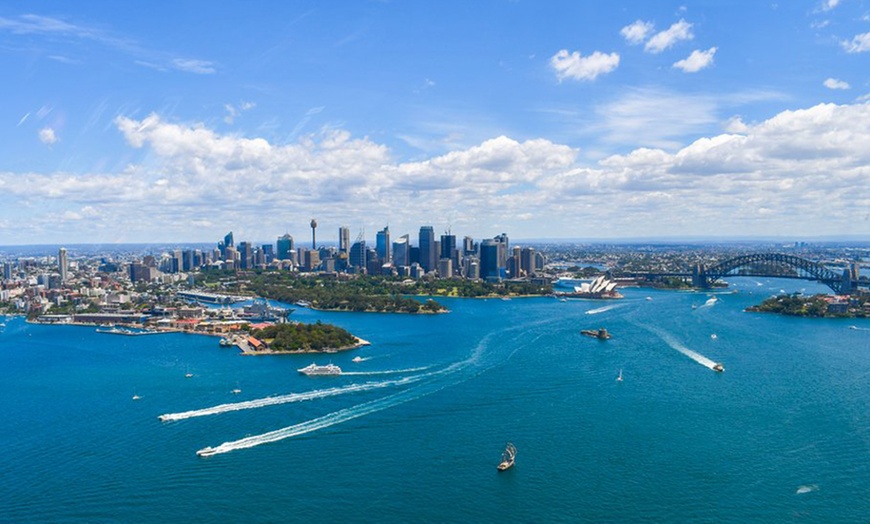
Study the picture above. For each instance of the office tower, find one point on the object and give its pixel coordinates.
(504, 249)
(489, 259)
(527, 261)
(285, 246)
(383, 245)
(468, 247)
(445, 268)
(344, 240)
(401, 252)
(7, 271)
(313, 236)
(427, 248)
(228, 240)
(312, 259)
(448, 245)
(62, 264)
(268, 253)
(245, 253)
(358, 255)
(187, 260)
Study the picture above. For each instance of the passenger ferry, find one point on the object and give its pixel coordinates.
(314, 369)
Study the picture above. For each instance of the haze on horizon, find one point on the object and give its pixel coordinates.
(178, 122)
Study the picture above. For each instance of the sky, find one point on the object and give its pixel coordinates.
(179, 121)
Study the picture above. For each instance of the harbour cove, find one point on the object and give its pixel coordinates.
(414, 428)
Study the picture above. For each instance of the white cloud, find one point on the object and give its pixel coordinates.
(800, 167)
(579, 67)
(827, 5)
(679, 31)
(234, 111)
(833, 83)
(201, 67)
(858, 44)
(696, 61)
(636, 32)
(47, 136)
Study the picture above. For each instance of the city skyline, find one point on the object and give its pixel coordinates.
(545, 120)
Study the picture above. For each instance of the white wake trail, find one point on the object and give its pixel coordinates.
(285, 399)
(601, 309)
(675, 344)
(385, 372)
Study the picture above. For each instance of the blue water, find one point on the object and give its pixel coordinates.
(782, 435)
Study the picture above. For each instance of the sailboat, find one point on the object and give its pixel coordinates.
(508, 457)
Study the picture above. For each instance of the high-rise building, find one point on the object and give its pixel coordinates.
(427, 248)
(448, 245)
(382, 246)
(527, 261)
(344, 240)
(7, 271)
(489, 259)
(401, 251)
(245, 255)
(285, 246)
(358, 255)
(445, 268)
(62, 264)
(228, 240)
(468, 247)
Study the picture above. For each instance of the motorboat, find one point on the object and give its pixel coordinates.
(619, 378)
(718, 367)
(507, 457)
(357, 359)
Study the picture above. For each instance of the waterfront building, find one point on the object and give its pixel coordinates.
(285, 246)
(63, 264)
(426, 243)
(382, 245)
(344, 240)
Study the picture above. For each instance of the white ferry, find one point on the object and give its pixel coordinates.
(314, 369)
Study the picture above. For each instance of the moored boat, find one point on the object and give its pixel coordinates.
(507, 457)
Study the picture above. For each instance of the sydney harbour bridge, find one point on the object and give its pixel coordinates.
(764, 265)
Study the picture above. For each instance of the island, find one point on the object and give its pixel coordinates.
(293, 338)
(816, 306)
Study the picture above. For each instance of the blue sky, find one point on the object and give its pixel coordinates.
(179, 121)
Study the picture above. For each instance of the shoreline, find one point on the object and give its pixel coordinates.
(247, 351)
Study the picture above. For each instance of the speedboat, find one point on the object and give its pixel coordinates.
(718, 367)
(314, 369)
(237, 391)
(619, 378)
(357, 359)
(136, 397)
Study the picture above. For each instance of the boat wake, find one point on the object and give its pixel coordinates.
(601, 309)
(709, 303)
(806, 489)
(477, 362)
(384, 372)
(675, 344)
(286, 399)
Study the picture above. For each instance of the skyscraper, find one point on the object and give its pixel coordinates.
(427, 248)
(344, 240)
(382, 246)
(285, 246)
(62, 264)
(401, 251)
(358, 255)
(489, 255)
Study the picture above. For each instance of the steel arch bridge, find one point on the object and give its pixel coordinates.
(806, 269)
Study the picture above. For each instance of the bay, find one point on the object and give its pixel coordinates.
(414, 432)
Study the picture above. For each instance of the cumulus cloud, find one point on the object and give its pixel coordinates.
(678, 32)
(696, 61)
(799, 168)
(827, 5)
(636, 32)
(858, 44)
(47, 136)
(833, 83)
(579, 67)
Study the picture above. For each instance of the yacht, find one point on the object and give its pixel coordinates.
(314, 369)
(508, 457)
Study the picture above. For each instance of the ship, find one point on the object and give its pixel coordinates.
(508, 457)
(314, 369)
(600, 334)
(718, 367)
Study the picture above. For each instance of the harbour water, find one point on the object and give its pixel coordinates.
(414, 431)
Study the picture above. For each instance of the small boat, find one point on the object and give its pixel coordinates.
(357, 359)
(853, 327)
(649, 298)
(619, 378)
(718, 367)
(508, 457)
(600, 334)
(225, 342)
(314, 369)
(713, 336)
(237, 391)
(188, 375)
(136, 397)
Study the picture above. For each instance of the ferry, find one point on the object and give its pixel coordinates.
(718, 367)
(314, 369)
(508, 457)
(600, 334)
